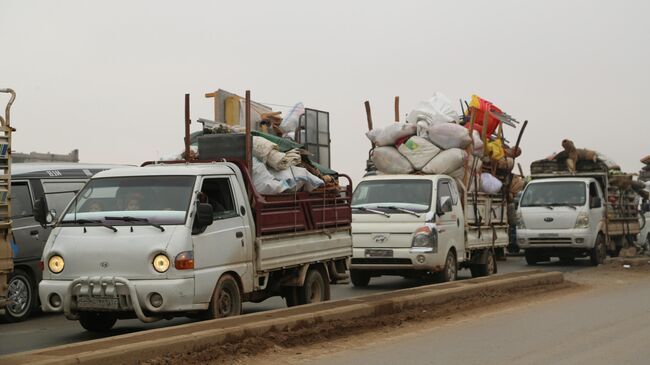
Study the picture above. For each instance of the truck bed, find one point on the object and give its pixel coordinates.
(280, 251)
(491, 230)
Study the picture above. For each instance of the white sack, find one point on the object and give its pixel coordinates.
(262, 147)
(490, 184)
(291, 121)
(474, 161)
(436, 110)
(449, 135)
(478, 144)
(418, 151)
(389, 135)
(264, 182)
(446, 162)
(458, 174)
(388, 160)
(298, 179)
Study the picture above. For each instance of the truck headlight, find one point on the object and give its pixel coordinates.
(161, 263)
(520, 221)
(424, 237)
(56, 264)
(583, 220)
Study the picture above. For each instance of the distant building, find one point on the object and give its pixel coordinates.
(45, 157)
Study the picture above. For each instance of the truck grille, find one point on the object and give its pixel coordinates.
(381, 261)
(550, 240)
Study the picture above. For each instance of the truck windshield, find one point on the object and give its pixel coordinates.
(560, 193)
(412, 195)
(132, 200)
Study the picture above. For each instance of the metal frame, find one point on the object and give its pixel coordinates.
(319, 143)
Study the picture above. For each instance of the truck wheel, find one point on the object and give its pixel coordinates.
(487, 267)
(531, 257)
(226, 299)
(97, 321)
(290, 294)
(359, 278)
(315, 289)
(450, 270)
(599, 251)
(20, 293)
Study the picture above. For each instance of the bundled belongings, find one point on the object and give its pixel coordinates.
(644, 174)
(436, 140)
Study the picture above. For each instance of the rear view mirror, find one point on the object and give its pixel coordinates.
(444, 205)
(596, 202)
(204, 215)
(41, 212)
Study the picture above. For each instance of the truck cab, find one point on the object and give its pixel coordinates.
(416, 226)
(562, 217)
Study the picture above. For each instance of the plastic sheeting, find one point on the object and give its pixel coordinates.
(297, 179)
(490, 184)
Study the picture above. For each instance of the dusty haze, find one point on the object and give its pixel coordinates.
(109, 77)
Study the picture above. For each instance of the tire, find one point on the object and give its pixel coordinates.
(21, 294)
(315, 289)
(226, 298)
(450, 271)
(599, 252)
(487, 267)
(531, 258)
(97, 321)
(290, 294)
(359, 279)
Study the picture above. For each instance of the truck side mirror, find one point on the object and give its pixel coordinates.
(596, 202)
(444, 206)
(41, 212)
(204, 215)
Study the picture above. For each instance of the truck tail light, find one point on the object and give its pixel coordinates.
(184, 260)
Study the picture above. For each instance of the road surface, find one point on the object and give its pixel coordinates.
(45, 330)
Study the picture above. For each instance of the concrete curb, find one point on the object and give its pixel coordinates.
(140, 346)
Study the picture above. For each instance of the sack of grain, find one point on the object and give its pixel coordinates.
(389, 135)
(418, 151)
(449, 135)
(389, 161)
(446, 162)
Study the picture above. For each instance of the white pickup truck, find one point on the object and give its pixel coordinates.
(189, 239)
(415, 226)
(575, 215)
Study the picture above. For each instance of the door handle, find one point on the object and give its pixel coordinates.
(33, 233)
(239, 234)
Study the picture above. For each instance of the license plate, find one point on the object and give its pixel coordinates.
(379, 253)
(97, 303)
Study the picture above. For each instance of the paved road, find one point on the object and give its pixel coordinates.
(608, 326)
(44, 330)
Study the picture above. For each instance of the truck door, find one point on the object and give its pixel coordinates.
(28, 236)
(220, 247)
(596, 211)
(450, 232)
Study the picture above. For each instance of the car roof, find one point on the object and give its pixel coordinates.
(58, 169)
(180, 169)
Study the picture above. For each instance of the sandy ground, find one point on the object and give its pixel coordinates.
(295, 347)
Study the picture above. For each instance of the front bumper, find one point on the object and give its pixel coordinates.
(556, 238)
(403, 259)
(132, 295)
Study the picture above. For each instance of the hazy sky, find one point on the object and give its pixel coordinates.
(108, 77)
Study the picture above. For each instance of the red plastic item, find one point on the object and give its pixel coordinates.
(479, 115)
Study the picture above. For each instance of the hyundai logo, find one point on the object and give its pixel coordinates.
(103, 264)
(380, 238)
(548, 219)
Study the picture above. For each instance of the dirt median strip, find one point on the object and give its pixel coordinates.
(164, 344)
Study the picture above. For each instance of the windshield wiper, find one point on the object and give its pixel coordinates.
(86, 221)
(402, 210)
(363, 209)
(134, 219)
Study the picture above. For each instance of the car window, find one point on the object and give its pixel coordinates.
(444, 193)
(21, 200)
(218, 193)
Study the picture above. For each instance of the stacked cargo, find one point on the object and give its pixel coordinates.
(644, 174)
(436, 140)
